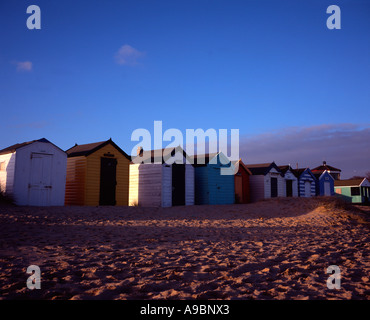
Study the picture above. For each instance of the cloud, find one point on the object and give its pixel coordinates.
(23, 66)
(128, 55)
(345, 146)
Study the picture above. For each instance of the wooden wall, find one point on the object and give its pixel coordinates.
(267, 184)
(221, 187)
(189, 185)
(83, 178)
(92, 184)
(7, 175)
(75, 184)
(320, 184)
(257, 185)
(211, 187)
(133, 194)
(55, 173)
(146, 185)
(151, 185)
(166, 185)
(306, 176)
(290, 176)
(242, 188)
(201, 185)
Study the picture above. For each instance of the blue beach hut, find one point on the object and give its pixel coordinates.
(306, 182)
(214, 179)
(324, 184)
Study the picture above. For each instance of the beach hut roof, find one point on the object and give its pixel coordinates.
(262, 168)
(16, 146)
(299, 172)
(324, 167)
(349, 182)
(319, 175)
(89, 148)
(242, 164)
(285, 168)
(159, 155)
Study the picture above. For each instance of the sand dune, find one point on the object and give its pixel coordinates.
(275, 249)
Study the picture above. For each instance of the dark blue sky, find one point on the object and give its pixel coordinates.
(258, 66)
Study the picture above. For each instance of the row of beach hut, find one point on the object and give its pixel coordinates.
(39, 173)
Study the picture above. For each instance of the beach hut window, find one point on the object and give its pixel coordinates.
(355, 191)
(2, 166)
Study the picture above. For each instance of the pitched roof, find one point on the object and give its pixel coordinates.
(318, 175)
(82, 149)
(16, 146)
(299, 171)
(89, 148)
(259, 165)
(159, 155)
(324, 167)
(262, 168)
(242, 165)
(285, 168)
(348, 182)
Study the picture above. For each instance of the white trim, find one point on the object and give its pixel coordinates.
(324, 173)
(367, 183)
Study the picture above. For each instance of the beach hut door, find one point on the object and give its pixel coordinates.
(108, 182)
(39, 187)
(178, 184)
(274, 187)
(327, 188)
(307, 189)
(289, 188)
(239, 189)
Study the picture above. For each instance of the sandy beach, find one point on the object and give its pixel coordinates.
(273, 249)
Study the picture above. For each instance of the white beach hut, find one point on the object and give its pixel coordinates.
(34, 173)
(290, 181)
(266, 181)
(161, 178)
